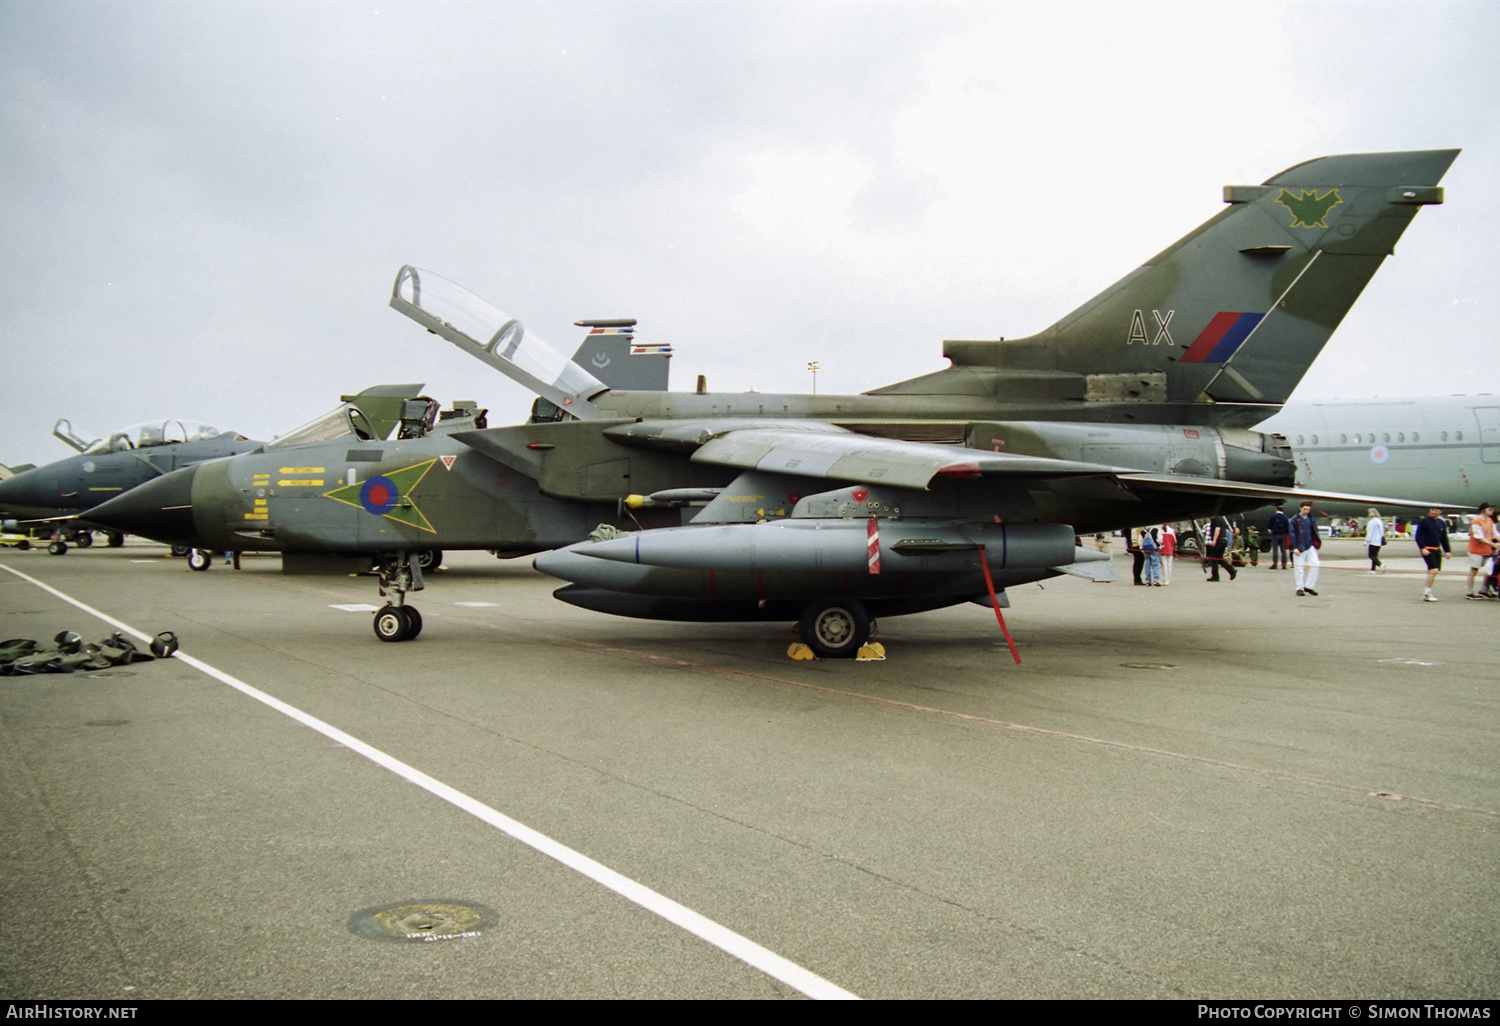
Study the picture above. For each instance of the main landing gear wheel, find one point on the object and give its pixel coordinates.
(181, 550)
(200, 559)
(835, 628)
(58, 548)
(85, 539)
(430, 559)
(115, 539)
(397, 623)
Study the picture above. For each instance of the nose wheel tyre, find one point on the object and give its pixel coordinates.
(58, 548)
(390, 624)
(200, 559)
(835, 628)
(397, 623)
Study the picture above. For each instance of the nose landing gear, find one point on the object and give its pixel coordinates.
(398, 574)
(398, 623)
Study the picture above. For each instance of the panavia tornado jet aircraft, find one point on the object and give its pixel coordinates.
(1134, 409)
(61, 493)
(51, 496)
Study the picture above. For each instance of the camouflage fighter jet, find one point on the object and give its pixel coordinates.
(1133, 409)
(57, 497)
(49, 498)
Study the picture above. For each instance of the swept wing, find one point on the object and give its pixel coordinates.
(825, 452)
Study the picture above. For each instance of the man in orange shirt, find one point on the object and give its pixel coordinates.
(1483, 544)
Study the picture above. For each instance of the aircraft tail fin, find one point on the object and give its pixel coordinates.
(612, 354)
(1234, 312)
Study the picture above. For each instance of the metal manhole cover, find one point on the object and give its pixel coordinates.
(422, 921)
(1149, 666)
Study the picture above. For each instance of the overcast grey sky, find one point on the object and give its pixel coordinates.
(205, 204)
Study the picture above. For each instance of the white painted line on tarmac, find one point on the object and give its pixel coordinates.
(721, 937)
(476, 605)
(355, 607)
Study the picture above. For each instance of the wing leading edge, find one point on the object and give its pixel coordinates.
(861, 459)
(825, 452)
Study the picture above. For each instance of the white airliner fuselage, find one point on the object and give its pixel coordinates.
(1444, 448)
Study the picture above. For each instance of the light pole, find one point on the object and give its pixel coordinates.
(812, 365)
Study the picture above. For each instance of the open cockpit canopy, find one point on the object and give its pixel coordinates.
(480, 329)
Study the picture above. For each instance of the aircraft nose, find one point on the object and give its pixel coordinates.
(160, 509)
(25, 489)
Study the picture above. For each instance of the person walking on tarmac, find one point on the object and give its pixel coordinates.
(1432, 542)
(1151, 546)
(1219, 536)
(1304, 540)
(1374, 539)
(1137, 554)
(1278, 526)
(1483, 544)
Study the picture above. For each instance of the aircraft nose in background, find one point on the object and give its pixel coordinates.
(160, 509)
(25, 489)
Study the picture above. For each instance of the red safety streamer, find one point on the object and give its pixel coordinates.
(995, 601)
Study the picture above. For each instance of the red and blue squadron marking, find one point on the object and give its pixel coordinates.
(388, 495)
